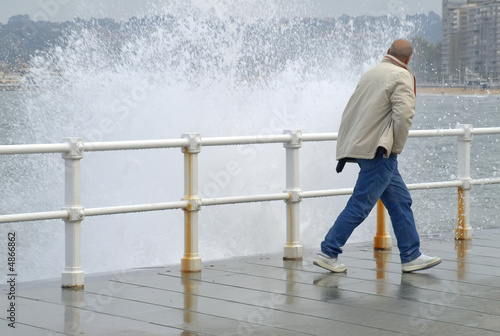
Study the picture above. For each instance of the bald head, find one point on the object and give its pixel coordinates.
(401, 49)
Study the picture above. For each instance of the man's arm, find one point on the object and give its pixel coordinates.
(403, 109)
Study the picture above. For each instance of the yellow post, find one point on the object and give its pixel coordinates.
(382, 240)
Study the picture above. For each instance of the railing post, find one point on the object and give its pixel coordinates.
(191, 261)
(463, 229)
(73, 276)
(293, 249)
(382, 239)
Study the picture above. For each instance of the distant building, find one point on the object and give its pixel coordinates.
(471, 41)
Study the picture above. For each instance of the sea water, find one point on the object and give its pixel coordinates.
(219, 74)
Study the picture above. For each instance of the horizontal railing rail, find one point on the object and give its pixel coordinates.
(74, 149)
(216, 141)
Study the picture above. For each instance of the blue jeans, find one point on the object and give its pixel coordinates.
(378, 178)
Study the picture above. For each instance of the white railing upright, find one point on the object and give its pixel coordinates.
(191, 261)
(73, 274)
(464, 229)
(293, 248)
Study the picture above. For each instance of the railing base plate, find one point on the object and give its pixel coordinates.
(73, 280)
(191, 265)
(382, 242)
(463, 234)
(292, 252)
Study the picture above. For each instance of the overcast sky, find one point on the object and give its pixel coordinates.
(62, 10)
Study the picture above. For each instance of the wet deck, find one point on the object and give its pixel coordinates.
(264, 295)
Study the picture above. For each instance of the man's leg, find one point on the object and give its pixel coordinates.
(397, 200)
(374, 177)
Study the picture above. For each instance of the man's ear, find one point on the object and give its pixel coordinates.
(408, 59)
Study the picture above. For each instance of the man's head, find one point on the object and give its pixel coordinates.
(402, 50)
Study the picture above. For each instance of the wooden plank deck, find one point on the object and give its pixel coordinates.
(264, 295)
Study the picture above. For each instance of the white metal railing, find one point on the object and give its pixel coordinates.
(73, 213)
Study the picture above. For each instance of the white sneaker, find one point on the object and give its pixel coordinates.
(421, 263)
(329, 263)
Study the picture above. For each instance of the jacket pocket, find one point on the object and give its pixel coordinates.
(387, 138)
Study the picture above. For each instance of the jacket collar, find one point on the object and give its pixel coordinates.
(396, 62)
(389, 58)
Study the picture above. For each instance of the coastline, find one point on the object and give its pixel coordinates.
(425, 90)
(456, 91)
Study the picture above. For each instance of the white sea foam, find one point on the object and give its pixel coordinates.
(218, 69)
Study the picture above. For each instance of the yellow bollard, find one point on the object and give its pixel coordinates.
(382, 240)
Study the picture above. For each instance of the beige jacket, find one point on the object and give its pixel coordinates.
(379, 113)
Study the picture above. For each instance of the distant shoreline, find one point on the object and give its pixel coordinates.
(456, 91)
(14, 86)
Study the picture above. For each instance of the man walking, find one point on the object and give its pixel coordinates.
(373, 131)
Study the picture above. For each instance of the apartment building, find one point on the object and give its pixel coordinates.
(471, 41)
